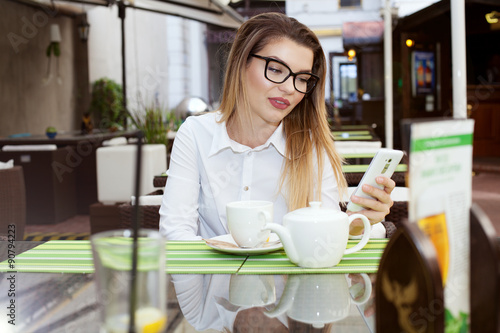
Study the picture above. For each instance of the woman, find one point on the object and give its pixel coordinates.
(270, 139)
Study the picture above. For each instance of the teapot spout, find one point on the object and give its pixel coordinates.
(287, 298)
(286, 238)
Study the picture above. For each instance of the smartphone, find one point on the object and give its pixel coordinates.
(383, 163)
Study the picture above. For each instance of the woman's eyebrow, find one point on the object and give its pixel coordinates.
(283, 61)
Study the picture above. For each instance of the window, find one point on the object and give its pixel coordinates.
(349, 3)
(348, 84)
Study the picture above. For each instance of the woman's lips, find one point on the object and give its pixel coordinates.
(279, 103)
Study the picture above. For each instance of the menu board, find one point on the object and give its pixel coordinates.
(440, 183)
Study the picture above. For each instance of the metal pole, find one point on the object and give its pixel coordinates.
(459, 67)
(388, 74)
(121, 15)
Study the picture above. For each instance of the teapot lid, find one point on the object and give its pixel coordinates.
(313, 212)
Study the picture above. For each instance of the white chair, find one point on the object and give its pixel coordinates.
(116, 167)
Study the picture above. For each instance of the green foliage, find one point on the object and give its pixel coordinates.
(455, 325)
(53, 48)
(107, 104)
(152, 122)
(51, 129)
(173, 122)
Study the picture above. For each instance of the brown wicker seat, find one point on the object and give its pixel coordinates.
(12, 204)
(399, 211)
(149, 215)
(159, 181)
(353, 178)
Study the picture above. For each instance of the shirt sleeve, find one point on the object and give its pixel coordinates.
(179, 209)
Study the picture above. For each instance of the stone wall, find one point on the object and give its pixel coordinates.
(29, 100)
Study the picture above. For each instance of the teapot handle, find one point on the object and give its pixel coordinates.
(366, 234)
(368, 290)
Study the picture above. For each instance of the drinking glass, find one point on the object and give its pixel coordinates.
(112, 253)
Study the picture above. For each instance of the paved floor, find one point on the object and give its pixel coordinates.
(486, 193)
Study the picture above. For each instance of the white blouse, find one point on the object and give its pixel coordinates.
(208, 170)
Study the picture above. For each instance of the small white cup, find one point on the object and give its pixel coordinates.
(252, 290)
(245, 220)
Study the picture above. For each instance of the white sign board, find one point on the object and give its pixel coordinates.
(440, 183)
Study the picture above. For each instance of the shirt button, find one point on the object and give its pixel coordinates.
(245, 188)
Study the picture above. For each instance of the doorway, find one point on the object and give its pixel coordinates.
(344, 87)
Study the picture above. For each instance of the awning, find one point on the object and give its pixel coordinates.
(206, 11)
(357, 34)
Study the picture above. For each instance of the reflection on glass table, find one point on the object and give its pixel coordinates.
(276, 303)
(68, 302)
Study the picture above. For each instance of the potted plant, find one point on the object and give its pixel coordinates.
(107, 104)
(51, 132)
(152, 122)
(156, 123)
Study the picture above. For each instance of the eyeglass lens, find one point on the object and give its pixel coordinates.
(278, 73)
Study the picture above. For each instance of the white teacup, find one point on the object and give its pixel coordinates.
(245, 220)
(252, 290)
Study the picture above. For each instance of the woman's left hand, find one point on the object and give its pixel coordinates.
(375, 209)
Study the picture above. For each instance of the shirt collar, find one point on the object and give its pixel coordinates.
(222, 141)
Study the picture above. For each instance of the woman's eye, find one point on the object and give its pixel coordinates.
(275, 69)
(303, 79)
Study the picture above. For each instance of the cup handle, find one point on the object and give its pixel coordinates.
(366, 234)
(266, 215)
(368, 290)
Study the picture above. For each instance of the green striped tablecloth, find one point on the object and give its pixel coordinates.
(188, 257)
(196, 257)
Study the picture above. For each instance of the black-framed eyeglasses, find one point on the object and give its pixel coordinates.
(278, 72)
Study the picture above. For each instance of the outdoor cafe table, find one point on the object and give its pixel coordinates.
(60, 183)
(54, 291)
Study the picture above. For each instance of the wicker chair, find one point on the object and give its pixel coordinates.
(149, 215)
(12, 204)
(353, 178)
(399, 212)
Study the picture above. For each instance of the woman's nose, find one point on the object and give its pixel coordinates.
(288, 86)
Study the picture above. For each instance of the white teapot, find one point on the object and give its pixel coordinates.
(318, 299)
(314, 237)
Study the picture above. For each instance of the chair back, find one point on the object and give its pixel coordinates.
(12, 204)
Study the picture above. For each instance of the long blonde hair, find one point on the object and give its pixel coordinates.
(306, 127)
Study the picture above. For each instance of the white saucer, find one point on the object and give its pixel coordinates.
(259, 250)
